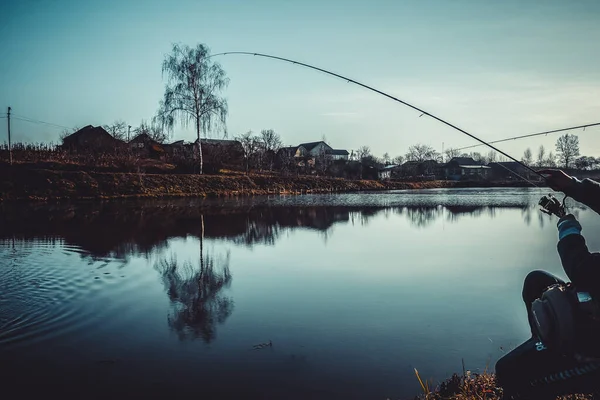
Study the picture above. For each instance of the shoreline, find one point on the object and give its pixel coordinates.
(49, 184)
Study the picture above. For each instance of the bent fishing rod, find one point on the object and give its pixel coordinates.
(423, 112)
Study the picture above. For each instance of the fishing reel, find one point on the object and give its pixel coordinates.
(552, 206)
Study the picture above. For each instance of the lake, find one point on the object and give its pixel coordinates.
(353, 291)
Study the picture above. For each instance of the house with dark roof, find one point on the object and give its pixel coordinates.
(220, 152)
(338, 154)
(509, 170)
(312, 149)
(92, 138)
(144, 145)
(460, 168)
(319, 149)
(176, 148)
(385, 172)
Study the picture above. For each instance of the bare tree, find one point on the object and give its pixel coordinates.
(386, 158)
(550, 160)
(117, 129)
(585, 162)
(153, 130)
(477, 157)
(251, 145)
(271, 143)
(491, 157)
(540, 156)
(568, 148)
(363, 152)
(527, 157)
(398, 160)
(421, 152)
(286, 160)
(451, 153)
(193, 91)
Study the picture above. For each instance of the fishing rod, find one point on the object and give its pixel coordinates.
(423, 112)
(533, 134)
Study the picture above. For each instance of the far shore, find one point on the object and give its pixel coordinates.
(18, 183)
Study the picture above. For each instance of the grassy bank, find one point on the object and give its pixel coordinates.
(471, 386)
(17, 183)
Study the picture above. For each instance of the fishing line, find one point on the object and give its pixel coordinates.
(423, 112)
(534, 134)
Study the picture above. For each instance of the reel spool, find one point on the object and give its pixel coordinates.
(552, 206)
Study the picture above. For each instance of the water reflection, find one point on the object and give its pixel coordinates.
(172, 259)
(122, 230)
(196, 294)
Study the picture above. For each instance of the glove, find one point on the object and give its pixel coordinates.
(568, 225)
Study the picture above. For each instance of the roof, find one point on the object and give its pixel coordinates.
(410, 163)
(507, 164)
(142, 138)
(89, 130)
(224, 142)
(338, 152)
(311, 145)
(177, 143)
(474, 167)
(388, 167)
(464, 161)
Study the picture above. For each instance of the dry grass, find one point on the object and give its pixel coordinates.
(472, 386)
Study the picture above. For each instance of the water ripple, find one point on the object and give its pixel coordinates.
(43, 294)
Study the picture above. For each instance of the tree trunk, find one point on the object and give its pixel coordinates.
(199, 144)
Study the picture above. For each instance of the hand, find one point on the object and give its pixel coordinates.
(557, 179)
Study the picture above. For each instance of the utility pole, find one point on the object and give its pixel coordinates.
(443, 152)
(128, 131)
(9, 147)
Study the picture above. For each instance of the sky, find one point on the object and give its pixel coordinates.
(494, 68)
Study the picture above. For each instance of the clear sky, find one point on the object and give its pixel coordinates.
(494, 68)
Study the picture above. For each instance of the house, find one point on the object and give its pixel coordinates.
(509, 170)
(337, 154)
(464, 168)
(222, 152)
(176, 148)
(144, 145)
(385, 173)
(309, 153)
(92, 138)
(408, 168)
(474, 172)
(313, 149)
(422, 169)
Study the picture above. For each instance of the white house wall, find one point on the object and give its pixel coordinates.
(320, 149)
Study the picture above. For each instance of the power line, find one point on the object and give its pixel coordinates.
(532, 135)
(37, 121)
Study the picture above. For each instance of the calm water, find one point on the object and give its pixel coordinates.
(169, 298)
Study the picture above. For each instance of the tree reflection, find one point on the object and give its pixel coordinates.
(122, 230)
(196, 295)
(527, 214)
(422, 216)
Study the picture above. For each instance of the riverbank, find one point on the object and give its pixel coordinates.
(45, 184)
(472, 386)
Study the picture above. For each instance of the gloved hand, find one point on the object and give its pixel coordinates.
(568, 225)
